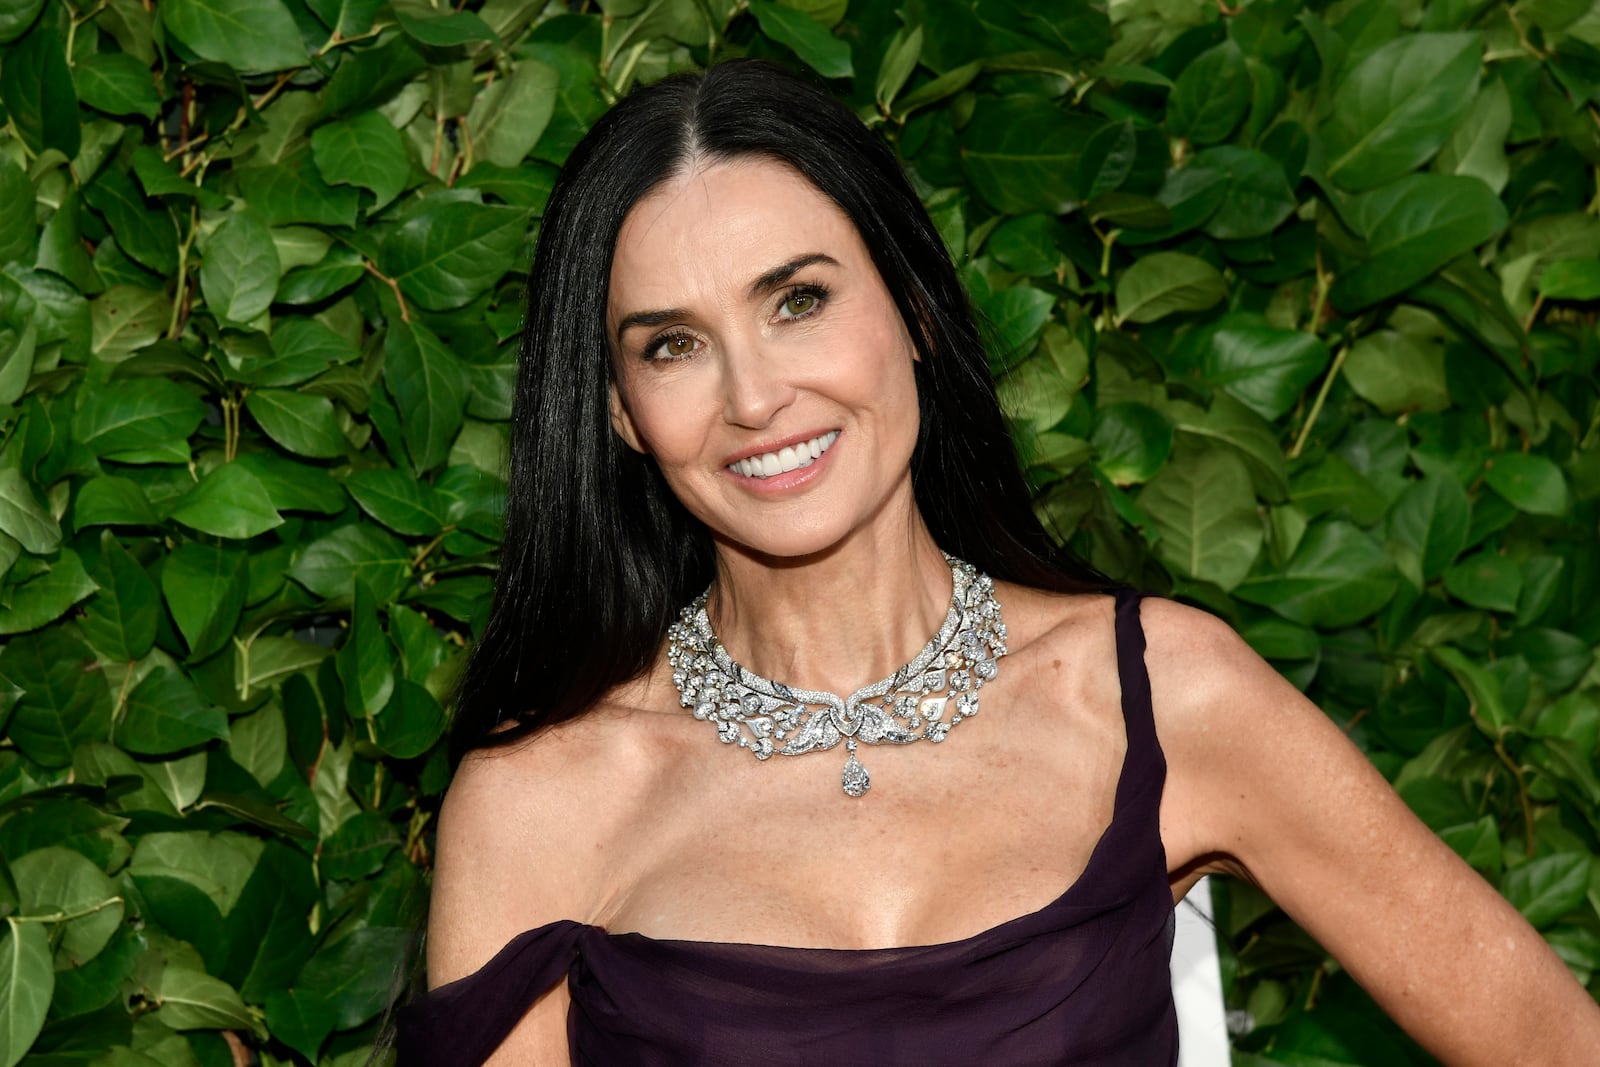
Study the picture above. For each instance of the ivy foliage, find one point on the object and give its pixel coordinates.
(1295, 314)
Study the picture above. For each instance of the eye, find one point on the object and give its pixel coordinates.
(801, 301)
(671, 346)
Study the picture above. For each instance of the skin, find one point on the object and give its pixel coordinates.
(632, 816)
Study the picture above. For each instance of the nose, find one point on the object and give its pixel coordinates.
(756, 386)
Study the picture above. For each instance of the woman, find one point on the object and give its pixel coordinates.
(748, 365)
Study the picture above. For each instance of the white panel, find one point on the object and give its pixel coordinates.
(1197, 983)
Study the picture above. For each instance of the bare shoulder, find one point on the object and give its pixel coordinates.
(521, 837)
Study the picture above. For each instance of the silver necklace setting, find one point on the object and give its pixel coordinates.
(912, 704)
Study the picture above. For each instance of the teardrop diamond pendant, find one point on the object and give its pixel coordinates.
(856, 780)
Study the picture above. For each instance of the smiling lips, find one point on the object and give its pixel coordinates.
(788, 458)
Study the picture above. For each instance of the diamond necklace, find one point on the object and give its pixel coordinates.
(767, 717)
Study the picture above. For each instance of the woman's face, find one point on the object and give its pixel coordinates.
(759, 358)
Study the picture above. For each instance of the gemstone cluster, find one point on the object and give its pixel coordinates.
(922, 701)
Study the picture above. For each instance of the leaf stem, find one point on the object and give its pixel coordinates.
(405, 314)
(1318, 305)
(66, 916)
(175, 324)
(1533, 313)
(1316, 406)
(1522, 792)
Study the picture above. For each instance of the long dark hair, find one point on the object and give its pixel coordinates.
(598, 554)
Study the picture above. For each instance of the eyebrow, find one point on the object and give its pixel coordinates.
(765, 282)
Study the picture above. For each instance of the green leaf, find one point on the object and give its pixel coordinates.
(1203, 509)
(1107, 159)
(205, 587)
(1530, 482)
(1229, 422)
(125, 319)
(429, 386)
(293, 192)
(64, 697)
(1431, 520)
(1018, 314)
(270, 659)
(1021, 153)
(111, 501)
(1162, 283)
(1414, 227)
(117, 84)
(228, 502)
(350, 17)
(1255, 194)
(47, 596)
(450, 251)
(300, 422)
(1211, 95)
(1265, 368)
(442, 31)
(1477, 148)
(338, 270)
(806, 37)
(1395, 373)
(301, 1021)
(1485, 580)
(1571, 279)
(121, 619)
(251, 36)
(240, 271)
(1399, 106)
(193, 1000)
(146, 234)
(365, 150)
(302, 348)
(1131, 441)
(293, 486)
(397, 500)
(36, 89)
(899, 61)
(22, 517)
(358, 848)
(18, 233)
(509, 116)
(353, 975)
(59, 881)
(411, 723)
(1337, 577)
(15, 18)
(27, 981)
(329, 566)
(1549, 887)
(166, 714)
(365, 661)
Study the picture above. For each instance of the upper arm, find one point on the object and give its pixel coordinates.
(492, 880)
(1263, 784)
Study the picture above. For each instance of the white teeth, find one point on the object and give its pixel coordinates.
(788, 458)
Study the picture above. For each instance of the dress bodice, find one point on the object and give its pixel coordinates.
(1084, 980)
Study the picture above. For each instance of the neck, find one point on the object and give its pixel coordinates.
(838, 620)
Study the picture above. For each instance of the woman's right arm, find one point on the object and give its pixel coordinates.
(499, 848)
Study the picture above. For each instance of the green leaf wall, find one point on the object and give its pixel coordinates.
(1294, 308)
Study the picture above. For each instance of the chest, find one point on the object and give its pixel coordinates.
(952, 839)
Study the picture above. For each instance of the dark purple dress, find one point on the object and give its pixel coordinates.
(1083, 980)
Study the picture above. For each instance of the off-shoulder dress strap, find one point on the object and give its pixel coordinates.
(465, 1021)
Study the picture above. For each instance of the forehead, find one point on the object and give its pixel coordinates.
(719, 225)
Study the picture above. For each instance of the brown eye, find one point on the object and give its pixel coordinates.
(673, 346)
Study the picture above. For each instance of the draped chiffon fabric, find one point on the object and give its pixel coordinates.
(1084, 980)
